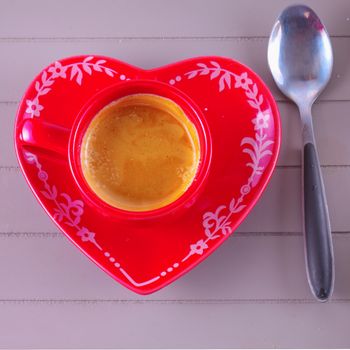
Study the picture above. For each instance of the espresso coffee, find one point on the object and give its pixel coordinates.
(140, 152)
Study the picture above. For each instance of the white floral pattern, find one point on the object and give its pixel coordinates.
(86, 235)
(242, 81)
(199, 247)
(261, 121)
(33, 107)
(58, 71)
(44, 84)
(218, 223)
(66, 210)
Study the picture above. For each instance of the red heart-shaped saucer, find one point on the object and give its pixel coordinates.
(145, 254)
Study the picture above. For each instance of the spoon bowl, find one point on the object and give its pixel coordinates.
(300, 54)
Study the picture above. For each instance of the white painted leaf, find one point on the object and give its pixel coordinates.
(255, 90)
(109, 72)
(219, 209)
(210, 234)
(215, 74)
(44, 91)
(265, 153)
(266, 144)
(204, 71)
(192, 74)
(251, 153)
(97, 68)
(76, 220)
(37, 86)
(74, 71)
(87, 68)
(44, 77)
(221, 83)
(226, 230)
(250, 141)
(79, 77)
(46, 194)
(49, 82)
(87, 59)
(99, 62)
(253, 104)
(54, 192)
(215, 64)
(227, 79)
(249, 94)
(260, 99)
(240, 208)
(232, 204)
(202, 65)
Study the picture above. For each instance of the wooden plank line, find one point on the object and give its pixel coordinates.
(136, 38)
(44, 234)
(170, 301)
(131, 38)
(282, 234)
(9, 168)
(6, 103)
(59, 234)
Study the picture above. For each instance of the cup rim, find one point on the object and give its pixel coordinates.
(113, 93)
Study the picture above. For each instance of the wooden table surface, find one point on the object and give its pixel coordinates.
(252, 292)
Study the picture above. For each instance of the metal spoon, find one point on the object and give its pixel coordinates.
(300, 58)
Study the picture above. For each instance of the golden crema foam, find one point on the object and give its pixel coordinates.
(140, 152)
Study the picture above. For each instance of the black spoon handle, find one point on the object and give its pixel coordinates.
(317, 231)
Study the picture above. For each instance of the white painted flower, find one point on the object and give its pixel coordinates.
(33, 107)
(261, 121)
(58, 70)
(86, 235)
(243, 81)
(199, 247)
